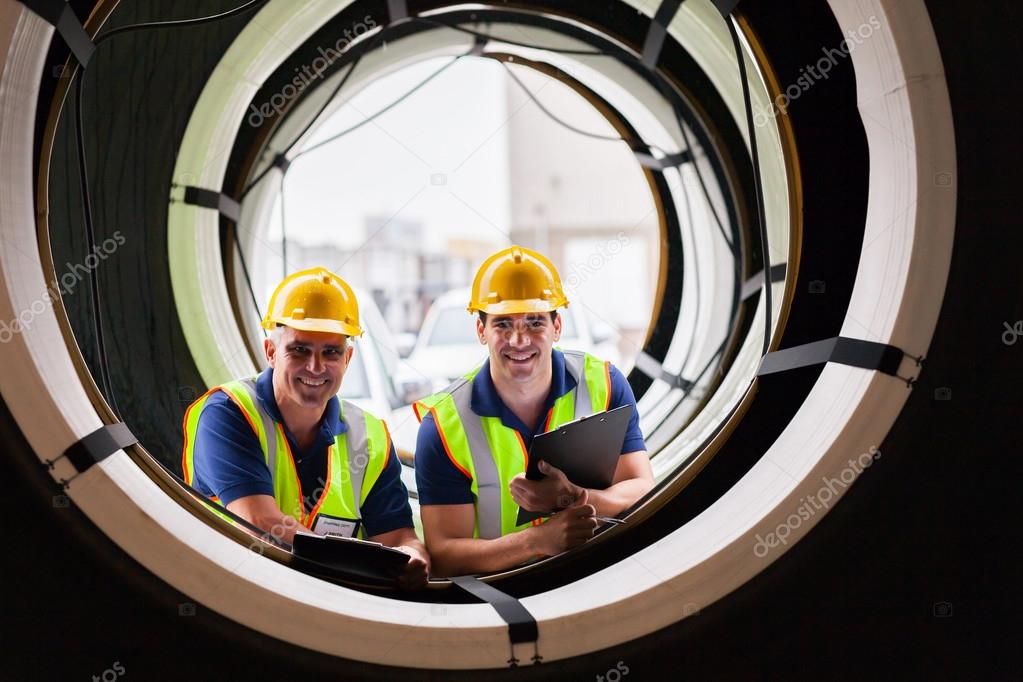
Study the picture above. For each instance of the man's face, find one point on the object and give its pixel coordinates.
(308, 366)
(520, 344)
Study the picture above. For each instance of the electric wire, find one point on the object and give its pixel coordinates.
(758, 190)
(620, 54)
(323, 107)
(176, 23)
(96, 302)
(633, 144)
(385, 109)
(90, 238)
(90, 226)
(284, 233)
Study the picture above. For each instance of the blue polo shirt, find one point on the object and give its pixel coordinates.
(229, 463)
(437, 478)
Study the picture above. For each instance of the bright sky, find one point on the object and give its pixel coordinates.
(451, 131)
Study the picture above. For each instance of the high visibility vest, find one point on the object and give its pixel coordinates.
(490, 454)
(354, 460)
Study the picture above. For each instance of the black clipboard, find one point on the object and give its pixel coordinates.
(351, 555)
(587, 450)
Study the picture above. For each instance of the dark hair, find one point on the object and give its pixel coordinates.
(483, 316)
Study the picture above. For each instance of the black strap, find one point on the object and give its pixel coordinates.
(754, 283)
(649, 365)
(521, 624)
(479, 44)
(63, 18)
(96, 447)
(725, 6)
(397, 9)
(670, 161)
(281, 161)
(218, 201)
(840, 349)
(658, 30)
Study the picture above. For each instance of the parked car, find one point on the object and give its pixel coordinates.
(369, 384)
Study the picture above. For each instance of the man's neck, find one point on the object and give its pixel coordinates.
(301, 422)
(526, 399)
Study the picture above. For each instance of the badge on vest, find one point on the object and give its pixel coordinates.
(335, 525)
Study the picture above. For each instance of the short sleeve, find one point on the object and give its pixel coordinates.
(227, 458)
(386, 507)
(621, 394)
(438, 480)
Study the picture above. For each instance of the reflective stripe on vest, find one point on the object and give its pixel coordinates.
(471, 441)
(355, 459)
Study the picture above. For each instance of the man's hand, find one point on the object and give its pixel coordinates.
(552, 493)
(566, 529)
(415, 574)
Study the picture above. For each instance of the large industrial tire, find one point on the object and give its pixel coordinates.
(901, 577)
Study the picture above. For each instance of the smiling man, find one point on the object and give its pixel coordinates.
(283, 452)
(474, 436)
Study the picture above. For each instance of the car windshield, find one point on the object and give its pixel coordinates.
(354, 384)
(453, 327)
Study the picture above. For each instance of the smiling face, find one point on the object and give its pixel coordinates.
(308, 366)
(520, 344)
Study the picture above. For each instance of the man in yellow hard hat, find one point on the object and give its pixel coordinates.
(283, 452)
(474, 436)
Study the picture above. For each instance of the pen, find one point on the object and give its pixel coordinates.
(605, 519)
(608, 519)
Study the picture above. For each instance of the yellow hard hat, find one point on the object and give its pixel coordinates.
(516, 280)
(314, 300)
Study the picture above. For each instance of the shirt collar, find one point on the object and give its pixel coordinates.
(331, 425)
(486, 402)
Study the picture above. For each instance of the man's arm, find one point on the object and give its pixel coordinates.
(262, 511)
(633, 478)
(387, 516)
(417, 570)
(449, 527)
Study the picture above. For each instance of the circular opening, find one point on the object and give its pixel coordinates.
(592, 112)
(830, 382)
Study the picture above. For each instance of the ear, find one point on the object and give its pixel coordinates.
(349, 352)
(271, 352)
(479, 332)
(557, 326)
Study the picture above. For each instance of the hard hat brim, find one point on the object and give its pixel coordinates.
(529, 305)
(315, 325)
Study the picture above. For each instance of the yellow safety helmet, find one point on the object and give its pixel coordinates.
(314, 300)
(516, 280)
